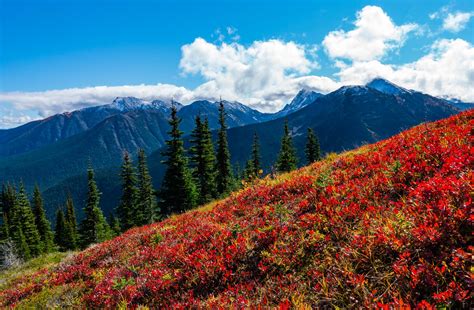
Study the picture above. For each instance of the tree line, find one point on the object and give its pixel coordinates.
(193, 177)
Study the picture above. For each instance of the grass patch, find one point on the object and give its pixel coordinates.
(61, 297)
(31, 266)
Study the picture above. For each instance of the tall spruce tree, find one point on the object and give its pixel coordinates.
(12, 216)
(4, 227)
(71, 222)
(287, 159)
(312, 149)
(249, 171)
(128, 212)
(27, 222)
(224, 169)
(114, 225)
(178, 191)
(204, 161)
(256, 160)
(42, 223)
(64, 234)
(148, 209)
(94, 227)
(60, 232)
(7, 200)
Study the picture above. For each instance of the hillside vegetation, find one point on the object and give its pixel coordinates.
(386, 225)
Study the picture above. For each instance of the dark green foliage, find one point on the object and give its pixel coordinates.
(224, 169)
(94, 227)
(203, 161)
(4, 227)
(21, 245)
(27, 222)
(12, 221)
(287, 159)
(42, 223)
(249, 170)
(71, 222)
(7, 202)
(253, 168)
(178, 192)
(312, 149)
(64, 235)
(147, 206)
(256, 155)
(60, 233)
(114, 224)
(127, 210)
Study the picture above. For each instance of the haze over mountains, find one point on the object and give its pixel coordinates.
(55, 152)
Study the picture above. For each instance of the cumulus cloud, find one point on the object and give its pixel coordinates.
(252, 74)
(373, 36)
(456, 22)
(452, 21)
(447, 70)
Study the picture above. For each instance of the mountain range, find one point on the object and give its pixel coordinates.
(56, 151)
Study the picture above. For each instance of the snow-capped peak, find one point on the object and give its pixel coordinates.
(128, 103)
(301, 100)
(386, 87)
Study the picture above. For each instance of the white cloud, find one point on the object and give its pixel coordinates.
(252, 74)
(57, 101)
(456, 22)
(8, 121)
(374, 35)
(447, 70)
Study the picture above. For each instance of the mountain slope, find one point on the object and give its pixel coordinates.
(386, 225)
(301, 100)
(43, 132)
(58, 127)
(345, 119)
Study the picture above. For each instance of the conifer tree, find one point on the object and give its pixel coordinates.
(71, 222)
(127, 210)
(256, 165)
(287, 158)
(312, 150)
(148, 209)
(64, 235)
(114, 225)
(4, 227)
(27, 222)
(249, 171)
(94, 227)
(224, 169)
(178, 192)
(5, 206)
(42, 223)
(60, 232)
(204, 161)
(7, 201)
(12, 216)
(21, 245)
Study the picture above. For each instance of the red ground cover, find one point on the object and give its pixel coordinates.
(386, 225)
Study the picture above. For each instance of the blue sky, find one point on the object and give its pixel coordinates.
(70, 44)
